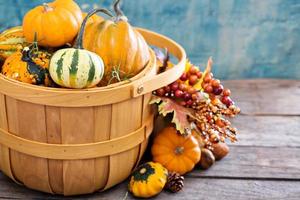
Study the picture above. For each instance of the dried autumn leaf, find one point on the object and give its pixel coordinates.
(161, 56)
(180, 113)
(188, 65)
(198, 86)
(155, 99)
(163, 59)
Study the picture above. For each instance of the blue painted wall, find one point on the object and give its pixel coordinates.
(247, 38)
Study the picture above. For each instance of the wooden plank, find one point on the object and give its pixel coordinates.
(77, 127)
(32, 125)
(13, 126)
(147, 112)
(256, 162)
(271, 131)
(227, 189)
(194, 189)
(102, 132)
(266, 96)
(54, 136)
(5, 165)
(126, 118)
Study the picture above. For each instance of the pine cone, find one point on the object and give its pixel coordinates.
(174, 182)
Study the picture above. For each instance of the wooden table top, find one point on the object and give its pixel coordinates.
(264, 164)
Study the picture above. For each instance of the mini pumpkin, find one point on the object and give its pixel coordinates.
(55, 23)
(11, 40)
(122, 48)
(76, 67)
(28, 66)
(175, 152)
(148, 180)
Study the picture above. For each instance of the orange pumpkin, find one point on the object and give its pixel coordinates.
(119, 45)
(55, 23)
(176, 152)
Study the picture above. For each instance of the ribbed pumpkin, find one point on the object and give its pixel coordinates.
(55, 23)
(176, 152)
(76, 67)
(148, 180)
(122, 48)
(28, 67)
(11, 40)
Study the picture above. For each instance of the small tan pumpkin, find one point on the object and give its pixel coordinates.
(122, 48)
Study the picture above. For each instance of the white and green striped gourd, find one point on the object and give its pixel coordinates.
(76, 67)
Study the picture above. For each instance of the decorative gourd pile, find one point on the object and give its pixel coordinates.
(60, 46)
(192, 130)
(104, 51)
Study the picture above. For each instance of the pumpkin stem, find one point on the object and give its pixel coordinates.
(47, 8)
(34, 47)
(119, 12)
(26, 54)
(179, 150)
(79, 40)
(115, 74)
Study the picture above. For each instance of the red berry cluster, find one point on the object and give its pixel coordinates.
(182, 90)
(214, 88)
(209, 115)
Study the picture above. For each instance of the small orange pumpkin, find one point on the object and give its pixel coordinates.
(119, 45)
(55, 23)
(176, 152)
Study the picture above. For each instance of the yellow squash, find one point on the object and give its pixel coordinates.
(148, 180)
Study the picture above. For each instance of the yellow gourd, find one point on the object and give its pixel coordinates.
(148, 180)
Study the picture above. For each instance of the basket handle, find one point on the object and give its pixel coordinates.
(150, 83)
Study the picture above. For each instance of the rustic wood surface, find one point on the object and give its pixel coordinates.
(264, 164)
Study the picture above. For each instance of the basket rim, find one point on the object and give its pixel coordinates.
(142, 73)
(146, 83)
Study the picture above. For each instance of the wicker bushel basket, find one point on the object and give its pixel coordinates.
(74, 142)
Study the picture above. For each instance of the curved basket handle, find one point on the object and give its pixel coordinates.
(150, 83)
